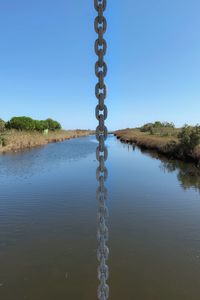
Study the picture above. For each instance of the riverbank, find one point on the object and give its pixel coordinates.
(166, 145)
(14, 140)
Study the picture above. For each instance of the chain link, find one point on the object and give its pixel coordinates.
(100, 25)
(100, 5)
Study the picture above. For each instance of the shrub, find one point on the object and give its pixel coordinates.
(26, 123)
(189, 137)
(147, 127)
(52, 124)
(2, 125)
(168, 125)
(21, 123)
(158, 124)
(41, 125)
(159, 128)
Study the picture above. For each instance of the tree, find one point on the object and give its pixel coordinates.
(158, 124)
(41, 125)
(52, 124)
(22, 123)
(26, 123)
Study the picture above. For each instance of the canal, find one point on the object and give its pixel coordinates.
(48, 224)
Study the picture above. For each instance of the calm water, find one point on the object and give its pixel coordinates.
(48, 224)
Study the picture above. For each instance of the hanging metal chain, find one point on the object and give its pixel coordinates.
(100, 25)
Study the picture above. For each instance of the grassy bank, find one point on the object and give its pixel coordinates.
(14, 140)
(168, 145)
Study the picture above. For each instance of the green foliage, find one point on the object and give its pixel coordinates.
(52, 124)
(26, 123)
(146, 127)
(40, 125)
(159, 128)
(157, 124)
(2, 125)
(21, 123)
(189, 137)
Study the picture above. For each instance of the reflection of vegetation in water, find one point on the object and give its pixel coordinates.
(187, 173)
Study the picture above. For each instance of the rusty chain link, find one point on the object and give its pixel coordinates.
(100, 25)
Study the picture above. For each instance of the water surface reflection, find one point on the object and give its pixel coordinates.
(188, 173)
(48, 224)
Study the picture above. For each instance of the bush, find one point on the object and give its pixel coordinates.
(21, 123)
(41, 125)
(159, 128)
(189, 137)
(26, 123)
(168, 125)
(147, 127)
(2, 125)
(52, 124)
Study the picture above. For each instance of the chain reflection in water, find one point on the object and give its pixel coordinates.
(102, 236)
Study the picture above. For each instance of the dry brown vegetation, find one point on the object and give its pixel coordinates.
(163, 144)
(14, 140)
(143, 139)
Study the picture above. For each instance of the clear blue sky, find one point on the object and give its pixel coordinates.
(47, 61)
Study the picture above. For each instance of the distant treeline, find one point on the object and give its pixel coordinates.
(165, 128)
(188, 136)
(29, 124)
